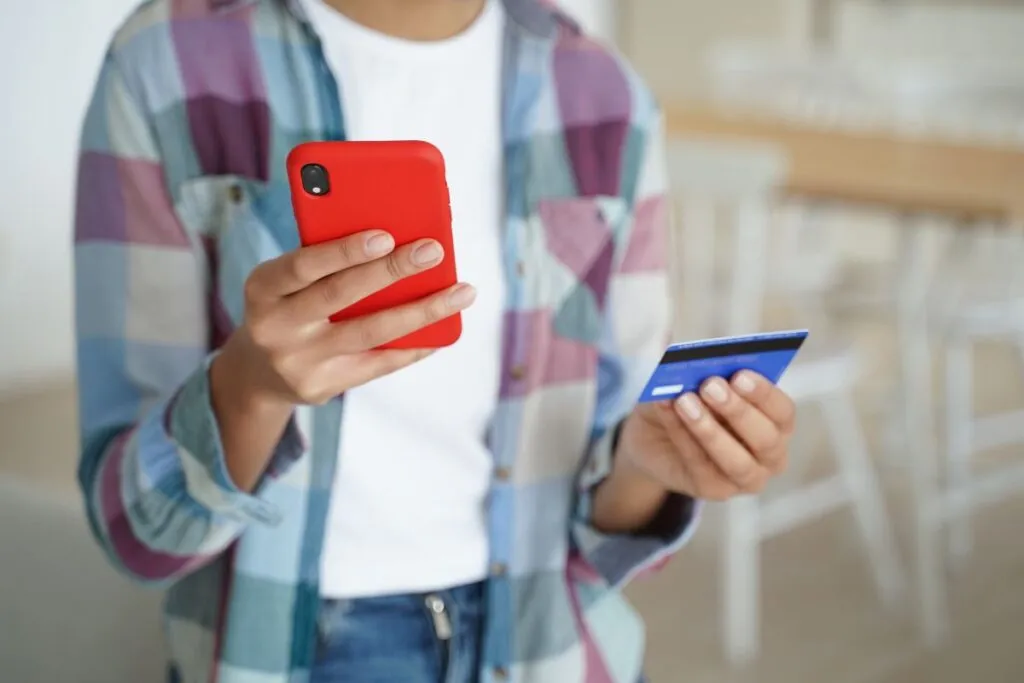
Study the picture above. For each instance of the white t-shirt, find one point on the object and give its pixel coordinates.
(407, 511)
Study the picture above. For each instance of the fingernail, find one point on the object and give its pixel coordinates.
(715, 390)
(427, 253)
(744, 383)
(462, 296)
(380, 244)
(690, 406)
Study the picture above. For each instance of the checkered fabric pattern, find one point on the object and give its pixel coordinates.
(182, 193)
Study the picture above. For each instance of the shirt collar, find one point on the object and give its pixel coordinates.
(535, 16)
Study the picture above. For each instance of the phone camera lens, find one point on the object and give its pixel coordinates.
(315, 180)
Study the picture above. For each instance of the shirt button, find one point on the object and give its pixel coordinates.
(518, 372)
(498, 569)
(520, 268)
(500, 674)
(235, 194)
(503, 474)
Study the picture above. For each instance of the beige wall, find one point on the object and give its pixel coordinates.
(667, 39)
(954, 30)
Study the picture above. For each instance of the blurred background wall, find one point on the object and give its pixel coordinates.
(669, 40)
(50, 51)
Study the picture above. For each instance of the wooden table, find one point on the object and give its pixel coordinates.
(903, 174)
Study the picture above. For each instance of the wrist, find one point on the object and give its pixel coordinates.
(635, 478)
(625, 467)
(235, 382)
(251, 418)
(628, 498)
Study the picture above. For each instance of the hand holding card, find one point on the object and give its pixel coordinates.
(711, 424)
(687, 366)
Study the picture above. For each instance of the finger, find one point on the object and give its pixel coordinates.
(722, 448)
(768, 398)
(776, 459)
(298, 269)
(748, 424)
(708, 481)
(342, 289)
(371, 331)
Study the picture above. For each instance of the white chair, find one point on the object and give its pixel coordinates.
(740, 180)
(980, 299)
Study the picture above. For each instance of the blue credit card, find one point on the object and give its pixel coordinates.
(685, 367)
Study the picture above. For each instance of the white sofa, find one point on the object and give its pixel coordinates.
(66, 616)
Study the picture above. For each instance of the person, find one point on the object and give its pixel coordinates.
(322, 511)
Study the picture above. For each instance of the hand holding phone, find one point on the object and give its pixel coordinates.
(290, 350)
(342, 188)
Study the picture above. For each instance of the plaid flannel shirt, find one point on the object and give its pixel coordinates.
(182, 191)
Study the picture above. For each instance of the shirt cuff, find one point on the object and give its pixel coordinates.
(191, 424)
(619, 558)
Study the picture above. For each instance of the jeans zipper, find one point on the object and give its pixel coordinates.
(443, 631)
(439, 615)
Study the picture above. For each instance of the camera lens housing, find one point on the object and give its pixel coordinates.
(315, 180)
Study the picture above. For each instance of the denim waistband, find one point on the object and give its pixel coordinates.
(428, 637)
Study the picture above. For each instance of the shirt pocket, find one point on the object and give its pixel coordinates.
(580, 237)
(242, 223)
(207, 205)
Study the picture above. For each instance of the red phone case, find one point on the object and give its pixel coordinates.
(398, 187)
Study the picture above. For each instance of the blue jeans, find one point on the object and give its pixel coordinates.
(432, 638)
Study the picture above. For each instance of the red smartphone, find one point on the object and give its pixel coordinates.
(342, 188)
